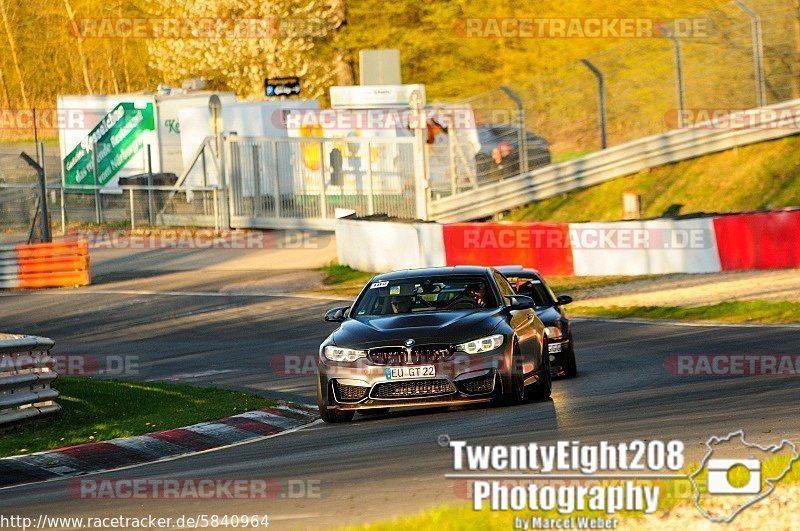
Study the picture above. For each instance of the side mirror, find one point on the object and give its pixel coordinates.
(337, 315)
(563, 299)
(520, 302)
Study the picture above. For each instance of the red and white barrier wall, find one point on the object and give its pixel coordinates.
(763, 240)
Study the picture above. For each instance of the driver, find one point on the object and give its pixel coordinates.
(474, 293)
(402, 303)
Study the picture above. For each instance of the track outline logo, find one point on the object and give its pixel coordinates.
(772, 482)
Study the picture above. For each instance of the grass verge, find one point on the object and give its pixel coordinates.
(342, 280)
(759, 176)
(99, 410)
(748, 311)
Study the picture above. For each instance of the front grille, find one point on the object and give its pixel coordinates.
(350, 393)
(420, 354)
(481, 384)
(412, 388)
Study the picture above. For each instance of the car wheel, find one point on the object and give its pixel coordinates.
(331, 415)
(517, 394)
(335, 415)
(542, 389)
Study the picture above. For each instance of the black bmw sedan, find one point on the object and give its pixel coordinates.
(432, 337)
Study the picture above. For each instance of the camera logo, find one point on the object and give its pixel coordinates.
(722, 476)
(734, 474)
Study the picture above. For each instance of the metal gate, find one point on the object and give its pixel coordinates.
(300, 182)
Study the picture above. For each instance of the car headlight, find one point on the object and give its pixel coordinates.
(484, 344)
(553, 332)
(343, 354)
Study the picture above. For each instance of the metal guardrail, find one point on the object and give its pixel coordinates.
(618, 161)
(25, 377)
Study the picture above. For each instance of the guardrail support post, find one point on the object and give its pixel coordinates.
(601, 101)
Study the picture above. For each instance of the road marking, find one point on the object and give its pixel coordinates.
(182, 294)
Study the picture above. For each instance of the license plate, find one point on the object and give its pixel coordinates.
(554, 348)
(403, 373)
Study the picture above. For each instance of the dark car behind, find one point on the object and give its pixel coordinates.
(550, 310)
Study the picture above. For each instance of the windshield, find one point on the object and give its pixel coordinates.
(533, 288)
(426, 294)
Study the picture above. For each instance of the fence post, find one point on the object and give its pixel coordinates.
(758, 50)
(523, 137)
(421, 183)
(601, 100)
(256, 154)
(370, 193)
(133, 221)
(44, 219)
(676, 44)
(150, 206)
(46, 233)
(97, 212)
(323, 199)
(276, 179)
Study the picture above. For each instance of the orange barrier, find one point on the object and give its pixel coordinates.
(48, 250)
(47, 265)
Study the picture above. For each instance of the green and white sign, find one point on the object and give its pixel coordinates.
(119, 136)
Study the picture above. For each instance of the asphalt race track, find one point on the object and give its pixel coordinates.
(379, 467)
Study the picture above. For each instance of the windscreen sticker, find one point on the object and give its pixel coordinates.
(394, 290)
(381, 284)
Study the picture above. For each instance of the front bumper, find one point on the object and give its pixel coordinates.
(559, 354)
(463, 379)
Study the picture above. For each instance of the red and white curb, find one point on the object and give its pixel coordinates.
(131, 451)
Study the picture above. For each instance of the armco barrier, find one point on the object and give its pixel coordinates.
(650, 247)
(25, 378)
(543, 246)
(616, 161)
(759, 240)
(45, 265)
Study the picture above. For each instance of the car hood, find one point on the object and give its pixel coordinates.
(449, 327)
(548, 314)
